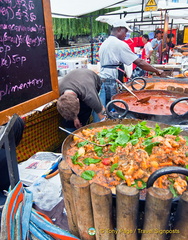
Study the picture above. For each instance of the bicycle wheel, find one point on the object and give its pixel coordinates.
(138, 83)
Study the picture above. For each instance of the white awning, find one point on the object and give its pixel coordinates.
(76, 8)
(133, 12)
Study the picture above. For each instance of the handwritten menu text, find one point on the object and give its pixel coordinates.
(24, 66)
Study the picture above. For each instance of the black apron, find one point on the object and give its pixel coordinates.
(120, 73)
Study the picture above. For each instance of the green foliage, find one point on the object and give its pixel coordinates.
(89, 161)
(71, 27)
(143, 184)
(75, 158)
(113, 167)
(88, 175)
(98, 151)
(81, 144)
(119, 173)
(121, 134)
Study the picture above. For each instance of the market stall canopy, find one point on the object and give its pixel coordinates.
(134, 11)
(176, 9)
(162, 4)
(77, 8)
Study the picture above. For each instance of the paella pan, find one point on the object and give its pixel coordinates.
(135, 149)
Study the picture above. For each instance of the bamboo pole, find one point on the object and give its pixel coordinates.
(180, 231)
(165, 32)
(102, 212)
(83, 206)
(127, 205)
(65, 174)
(157, 212)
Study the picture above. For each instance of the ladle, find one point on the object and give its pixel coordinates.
(100, 145)
(125, 75)
(150, 87)
(142, 100)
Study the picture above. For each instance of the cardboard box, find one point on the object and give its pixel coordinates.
(73, 63)
(61, 65)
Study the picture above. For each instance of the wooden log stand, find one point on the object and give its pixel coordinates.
(102, 211)
(65, 175)
(157, 213)
(127, 200)
(180, 230)
(83, 207)
(90, 211)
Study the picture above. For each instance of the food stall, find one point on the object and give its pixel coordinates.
(93, 210)
(89, 181)
(177, 65)
(124, 214)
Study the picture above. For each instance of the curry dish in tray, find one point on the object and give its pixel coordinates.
(133, 154)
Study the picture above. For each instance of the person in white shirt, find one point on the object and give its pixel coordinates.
(148, 47)
(115, 52)
(155, 44)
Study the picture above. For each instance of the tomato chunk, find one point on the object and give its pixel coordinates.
(106, 161)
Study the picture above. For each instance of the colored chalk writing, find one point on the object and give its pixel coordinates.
(24, 63)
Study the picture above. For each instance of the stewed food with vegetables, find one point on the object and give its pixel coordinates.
(134, 152)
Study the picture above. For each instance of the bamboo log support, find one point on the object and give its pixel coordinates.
(83, 206)
(170, 88)
(180, 231)
(102, 212)
(186, 90)
(179, 89)
(127, 206)
(157, 212)
(65, 174)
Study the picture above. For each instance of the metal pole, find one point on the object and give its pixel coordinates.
(142, 14)
(91, 24)
(10, 150)
(163, 45)
(170, 39)
(133, 28)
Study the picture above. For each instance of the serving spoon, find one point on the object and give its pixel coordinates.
(125, 75)
(142, 100)
(150, 87)
(99, 145)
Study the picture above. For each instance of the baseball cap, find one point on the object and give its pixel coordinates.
(158, 31)
(120, 23)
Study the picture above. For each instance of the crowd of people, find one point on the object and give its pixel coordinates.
(158, 52)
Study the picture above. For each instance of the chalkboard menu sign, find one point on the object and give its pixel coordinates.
(27, 56)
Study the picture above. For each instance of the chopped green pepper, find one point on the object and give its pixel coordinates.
(120, 174)
(113, 167)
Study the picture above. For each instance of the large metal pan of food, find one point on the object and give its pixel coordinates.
(163, 106)
(170, 84)
(135, 149)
